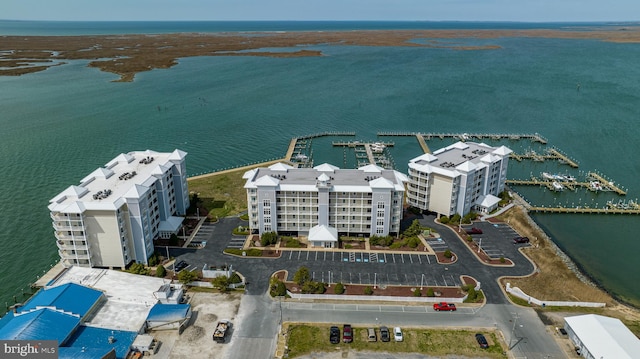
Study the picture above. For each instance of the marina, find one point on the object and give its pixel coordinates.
(535, 137)
(594, 182)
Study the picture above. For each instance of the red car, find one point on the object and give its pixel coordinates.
(474, 230)
(444, 306)
(347, 333)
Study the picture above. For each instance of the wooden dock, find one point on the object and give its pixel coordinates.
(584, 210)
(571, 185)
(423, 143)
(536, 137)
(552, 154)
(607, 184)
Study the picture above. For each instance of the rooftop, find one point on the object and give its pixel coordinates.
(129, 296)
(288, 178)
(461, 157)
(127, 175)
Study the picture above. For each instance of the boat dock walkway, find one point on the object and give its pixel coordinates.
(368, 148)
(536, 137)
(584, 210)
(595, 182)
(423, 144)
(552, 154)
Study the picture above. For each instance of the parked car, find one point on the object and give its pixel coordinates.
(334, 335)
(371, 335)
(521, 240)
(444, 306)
(474, 230)
(180, 266)
(347, 333)
(482, 341)
(397, 334)
(384, 334)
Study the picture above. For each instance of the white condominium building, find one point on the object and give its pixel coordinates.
(325, 201)
(460, 178)
(113, 216)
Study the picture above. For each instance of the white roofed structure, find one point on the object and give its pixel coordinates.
(113, 216)
(363, 201)
(597, 336)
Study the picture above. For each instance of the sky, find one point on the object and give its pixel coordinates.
(410, 10)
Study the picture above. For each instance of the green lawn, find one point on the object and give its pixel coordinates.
(304, 339)
(221, 194)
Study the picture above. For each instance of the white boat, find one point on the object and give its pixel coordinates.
(595, 186)
(557, 186)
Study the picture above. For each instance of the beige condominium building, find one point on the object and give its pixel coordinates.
(112, 217)
(324, 202)
(459, 178)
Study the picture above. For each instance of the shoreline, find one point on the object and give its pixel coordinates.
(128, 55)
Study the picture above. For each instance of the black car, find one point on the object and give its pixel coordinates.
(384, 334)
(180, 266)
(482, 341)
(521, 240)
(334, 335)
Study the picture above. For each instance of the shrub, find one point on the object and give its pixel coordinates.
(444, 219)
(417, 292)
(348, 246)
(244, 217)
(368, 290)
(469, 238)
(138, 268)
(339, 288)
(221, 282)
(414, 229)
(448, 254)
(375, 240)
(292, 243)
(153, 260)
(240, 230)
(186, 276)
(455, 219)
(398, 244)
(253, 252)
(277, 288)
(302, 276)
(502, 260)
(268, 238)
(161, 271)
(313, 287)
(413, 242)
(430, 292)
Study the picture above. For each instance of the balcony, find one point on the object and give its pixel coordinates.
(69, 245)
(68, 255)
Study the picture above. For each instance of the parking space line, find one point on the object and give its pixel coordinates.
(307, 255)
(411, 258)
(299, 253)
(385, 258)
(325, 256)
(333, 256)
(445, 280)
(316, 255)
(420, 259)
(290, 254)
(394, 258)
(428, 259)
(402, 257)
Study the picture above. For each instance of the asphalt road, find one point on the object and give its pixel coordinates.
(255, 337)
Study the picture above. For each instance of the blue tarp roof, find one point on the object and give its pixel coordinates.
(82, 353)
(69, 297)
(40, 324)
(98, 338)
(168, 312)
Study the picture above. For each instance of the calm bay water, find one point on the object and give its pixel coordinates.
(58, 125)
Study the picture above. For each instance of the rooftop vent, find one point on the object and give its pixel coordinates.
(102, 194)
(146, 160)
(127, 175)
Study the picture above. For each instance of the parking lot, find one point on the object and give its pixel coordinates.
(358, 257)
(497, 240)
(382, 278)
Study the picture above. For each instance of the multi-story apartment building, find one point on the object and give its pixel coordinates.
(324, 202)
(113, 216)
(460, 178)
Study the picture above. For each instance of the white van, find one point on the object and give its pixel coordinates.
(371, 335)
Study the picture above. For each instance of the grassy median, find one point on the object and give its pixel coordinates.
(305, 339)
(222, 193)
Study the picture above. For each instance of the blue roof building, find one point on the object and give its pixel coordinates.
(168, 316)
(71, 297)
(40, 324)
(103, 340)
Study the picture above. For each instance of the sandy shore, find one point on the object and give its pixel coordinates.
(127, 55)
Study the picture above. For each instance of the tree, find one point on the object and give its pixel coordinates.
(153, 260)
(161, 271)
(414, 229)
(368, 290)
(448, 254)
(417, 292)
(220, 282)
(455, 219)
(268, 238)
(430, 292)
(302, 276)
(186, 276)
(339, 288)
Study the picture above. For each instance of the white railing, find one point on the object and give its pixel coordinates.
(543, 303)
